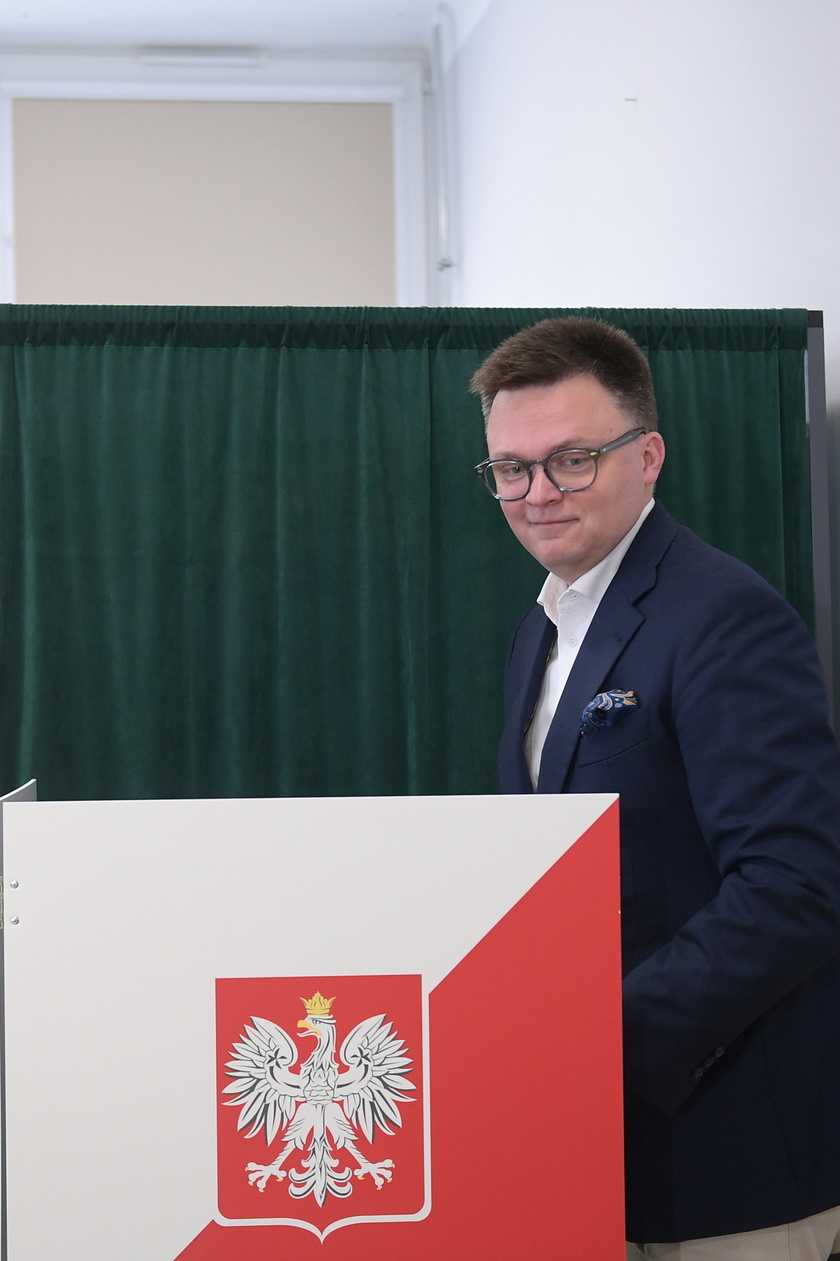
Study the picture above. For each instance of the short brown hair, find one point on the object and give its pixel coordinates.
(555, 350)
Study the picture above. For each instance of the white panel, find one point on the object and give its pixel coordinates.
(127, 912)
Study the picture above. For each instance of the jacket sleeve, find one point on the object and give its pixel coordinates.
(762, 766)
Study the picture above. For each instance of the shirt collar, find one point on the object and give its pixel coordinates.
(593, 584)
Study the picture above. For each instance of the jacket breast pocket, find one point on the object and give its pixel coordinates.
(632, 730)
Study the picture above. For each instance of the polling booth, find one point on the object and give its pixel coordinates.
(353, 1028)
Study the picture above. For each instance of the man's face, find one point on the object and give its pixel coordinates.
(567, 532)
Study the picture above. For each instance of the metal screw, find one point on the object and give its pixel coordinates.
(13, 884)
(14, 920)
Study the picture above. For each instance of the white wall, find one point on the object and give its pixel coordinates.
(659, 153)
(716, 184)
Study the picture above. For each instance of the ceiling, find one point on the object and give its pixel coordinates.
(276, 24)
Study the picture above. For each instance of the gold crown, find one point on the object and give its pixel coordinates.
(317, 1005)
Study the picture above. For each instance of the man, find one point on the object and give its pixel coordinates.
(666, 671)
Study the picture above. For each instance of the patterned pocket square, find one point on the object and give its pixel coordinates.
(606, 710)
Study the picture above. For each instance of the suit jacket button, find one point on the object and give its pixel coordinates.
(721, 1050)
(698, 1073)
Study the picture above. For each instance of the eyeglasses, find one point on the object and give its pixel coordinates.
(570, 469)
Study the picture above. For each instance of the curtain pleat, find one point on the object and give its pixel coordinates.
(243, 553)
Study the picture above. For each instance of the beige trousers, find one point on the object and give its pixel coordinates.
(811, 1239)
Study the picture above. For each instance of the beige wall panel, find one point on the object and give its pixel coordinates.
(204, 202)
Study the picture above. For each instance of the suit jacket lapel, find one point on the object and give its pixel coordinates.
(613, 625)
(617, 619)
(537, 635)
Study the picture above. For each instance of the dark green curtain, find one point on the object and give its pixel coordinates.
(243, 551)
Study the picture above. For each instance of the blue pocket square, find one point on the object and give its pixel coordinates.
(606, 710)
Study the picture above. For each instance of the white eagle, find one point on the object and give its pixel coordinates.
(320, 1108)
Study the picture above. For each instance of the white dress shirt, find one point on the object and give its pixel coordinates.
(571, 609)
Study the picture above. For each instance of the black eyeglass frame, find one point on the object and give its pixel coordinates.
(484, 467)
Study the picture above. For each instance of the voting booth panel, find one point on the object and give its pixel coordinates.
(343, 1028)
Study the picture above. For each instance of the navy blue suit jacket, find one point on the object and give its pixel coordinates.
(729, 778)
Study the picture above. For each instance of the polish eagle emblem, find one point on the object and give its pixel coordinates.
(322, 1109)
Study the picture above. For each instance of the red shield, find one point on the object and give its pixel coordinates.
(321, 1100)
